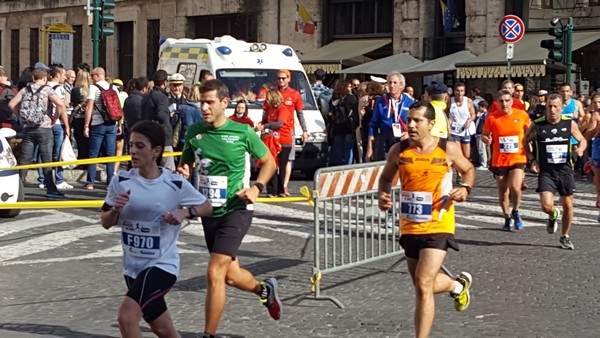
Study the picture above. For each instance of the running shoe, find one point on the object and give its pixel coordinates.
(552, 225)
(518, 222)
(42, 186)
(565, 242)
(508, 223)
(270, 298)
(462, 300)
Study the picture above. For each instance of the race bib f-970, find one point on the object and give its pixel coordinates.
(141, 239)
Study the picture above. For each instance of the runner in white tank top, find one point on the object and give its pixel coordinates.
(462, 115)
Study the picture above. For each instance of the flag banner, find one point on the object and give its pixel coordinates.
(449, 18)
(304, 21)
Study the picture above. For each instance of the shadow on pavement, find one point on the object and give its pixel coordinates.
(47, 330)
(258, 268)
(484, 243)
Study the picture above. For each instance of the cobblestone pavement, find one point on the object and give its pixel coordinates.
(60, 276)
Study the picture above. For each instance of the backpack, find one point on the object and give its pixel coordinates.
(5, 96)
(111, 103)
(339, 113)
(323, 101)
(33, 110)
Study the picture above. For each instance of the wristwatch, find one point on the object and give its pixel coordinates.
(260, 186)
(192, 213)
(467, 187)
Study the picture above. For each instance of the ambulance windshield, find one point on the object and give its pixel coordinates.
(253, 85)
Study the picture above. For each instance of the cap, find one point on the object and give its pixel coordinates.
(542, 92)
(40, 65)
(176, 78)
(118, 82)
(378, 79)
(437, 88)
(286, 72)
(520, 87)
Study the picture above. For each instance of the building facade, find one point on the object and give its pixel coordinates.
(417, 27)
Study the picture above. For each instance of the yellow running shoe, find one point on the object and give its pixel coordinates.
(462, 300)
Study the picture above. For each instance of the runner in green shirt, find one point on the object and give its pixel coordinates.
(221, 150)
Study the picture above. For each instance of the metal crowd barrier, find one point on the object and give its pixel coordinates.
(350, 230)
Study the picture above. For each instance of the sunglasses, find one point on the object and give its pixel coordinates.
(282, 78)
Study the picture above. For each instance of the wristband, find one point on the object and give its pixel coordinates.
(260, 186)
(467, 187)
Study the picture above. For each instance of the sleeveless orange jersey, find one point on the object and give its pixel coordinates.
(426, 181)
(508, 132)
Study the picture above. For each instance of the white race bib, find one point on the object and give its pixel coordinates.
(556, 153)
(457, 128)
(417, 206)
(214, 188)
(509, 144)
(141, 239)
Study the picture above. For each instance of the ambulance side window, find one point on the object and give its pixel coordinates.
(188, 70)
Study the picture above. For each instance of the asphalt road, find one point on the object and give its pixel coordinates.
(60, 276)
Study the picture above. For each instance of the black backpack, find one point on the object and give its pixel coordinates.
(339, 113)
(5, 96)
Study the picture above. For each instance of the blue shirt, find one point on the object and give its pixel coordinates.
(384, 117)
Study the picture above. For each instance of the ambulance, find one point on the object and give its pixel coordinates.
(253, 66)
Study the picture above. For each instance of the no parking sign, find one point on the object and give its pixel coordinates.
(511, 28)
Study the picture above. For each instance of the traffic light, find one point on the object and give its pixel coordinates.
(105, 18)
(555, 46)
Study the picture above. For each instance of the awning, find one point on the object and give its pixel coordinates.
(331, 56)
(442, 64)
(384, 66)
(529, 58)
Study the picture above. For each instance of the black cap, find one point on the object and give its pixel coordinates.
(437, 88)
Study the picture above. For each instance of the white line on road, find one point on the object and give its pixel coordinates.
(49, 218)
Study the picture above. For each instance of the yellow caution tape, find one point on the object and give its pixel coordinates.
(97, 160)
(306, 193)
(52, 204)
(98, 203)
(315, 279)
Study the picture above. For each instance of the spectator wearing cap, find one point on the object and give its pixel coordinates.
(437, 94)
(41, 65)
(122, 93)
(539, 109)
(389, 118)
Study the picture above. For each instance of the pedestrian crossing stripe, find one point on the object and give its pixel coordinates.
(189, 53)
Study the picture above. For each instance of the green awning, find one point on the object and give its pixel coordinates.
(331, 56)
(398, 62)
(529, 58)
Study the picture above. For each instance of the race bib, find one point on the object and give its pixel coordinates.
(215, 189)
(557, 153)
(141, 239)
(509, 144)
(457, 128)
(417, 206)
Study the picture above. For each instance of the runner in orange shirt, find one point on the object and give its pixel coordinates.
(424, 164)
(505, 130)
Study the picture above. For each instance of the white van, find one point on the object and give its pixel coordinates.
(234, 62)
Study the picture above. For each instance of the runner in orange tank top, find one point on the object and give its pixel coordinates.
(423, 165)
(505, 130)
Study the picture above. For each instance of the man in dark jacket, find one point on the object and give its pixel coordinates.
(155, 107)
(132, 108)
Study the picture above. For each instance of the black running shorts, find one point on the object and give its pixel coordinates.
(503, 171)
(149, 290)
(412, 244)
(224, 235)
(561, 182)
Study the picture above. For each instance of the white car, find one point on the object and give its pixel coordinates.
(11, 186)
